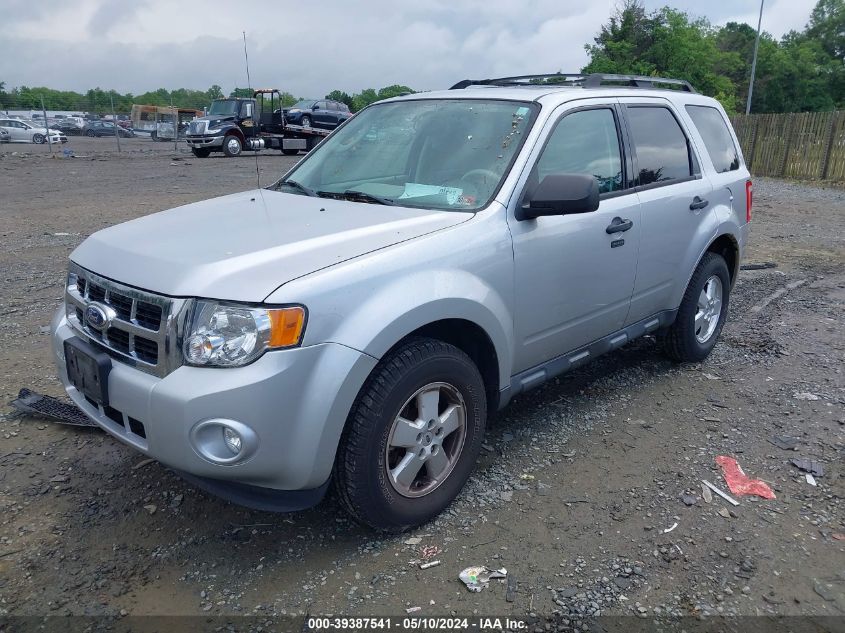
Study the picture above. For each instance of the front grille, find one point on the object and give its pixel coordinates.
(145, 329)
(197, 127)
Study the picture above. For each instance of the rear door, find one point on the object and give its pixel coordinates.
(677, 215)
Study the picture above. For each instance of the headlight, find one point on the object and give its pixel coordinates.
(228, 335)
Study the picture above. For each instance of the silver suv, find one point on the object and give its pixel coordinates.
(437, 255)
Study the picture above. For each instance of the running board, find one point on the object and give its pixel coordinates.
(536, 376)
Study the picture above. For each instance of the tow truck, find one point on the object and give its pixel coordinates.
(236, 124)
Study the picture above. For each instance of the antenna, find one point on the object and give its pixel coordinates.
(249, 86)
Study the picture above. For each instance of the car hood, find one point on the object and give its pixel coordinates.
(243, 246)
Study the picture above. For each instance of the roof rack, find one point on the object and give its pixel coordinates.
(591, 80)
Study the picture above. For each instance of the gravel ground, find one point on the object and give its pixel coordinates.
(578, 486)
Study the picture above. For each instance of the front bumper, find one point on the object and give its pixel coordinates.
(205, 140)
(296, 401)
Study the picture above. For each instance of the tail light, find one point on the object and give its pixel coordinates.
(749, 196)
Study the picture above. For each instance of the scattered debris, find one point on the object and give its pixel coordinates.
(810, 479)
(739, 483)
(510, 592)
(151, 508)
(792, 285)
(706, 494)
(669, 529)
(477, 577)
(433, 563)
(689, 500)
(724, 495)
(808, 465)
(142, 463)
(723, 512)
(785, 442)
(569, 455)
(526, 477)
(413, 609)
(414, 540)
(760, 266)
(31, 403)
(429, 551)
(804, 395)
(711, 376)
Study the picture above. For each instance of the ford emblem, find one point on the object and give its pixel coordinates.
(96, 316)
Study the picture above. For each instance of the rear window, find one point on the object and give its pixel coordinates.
(661, 147)
(717, 138)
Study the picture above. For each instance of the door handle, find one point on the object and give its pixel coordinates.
(698, 203)
(618, 225)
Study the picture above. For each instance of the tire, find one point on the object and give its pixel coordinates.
(687, 340)
(366, 452)
(290, 152)
(305, 121)
(232, 145)
(38, 139)
(90, 134)
(201, 152)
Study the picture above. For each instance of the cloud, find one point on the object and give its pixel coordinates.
(147, 44)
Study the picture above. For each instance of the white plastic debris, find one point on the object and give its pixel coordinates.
(478, 576)
(669, 529)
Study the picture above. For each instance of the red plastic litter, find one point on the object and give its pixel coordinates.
(738, 481)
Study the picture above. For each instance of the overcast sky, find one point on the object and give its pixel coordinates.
(310, 47)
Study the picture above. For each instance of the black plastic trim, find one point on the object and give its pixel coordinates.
(539, 374)
(257, 497)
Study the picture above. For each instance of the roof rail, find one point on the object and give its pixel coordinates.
(591, 80)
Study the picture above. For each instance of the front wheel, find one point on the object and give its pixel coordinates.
(702, 314)
(412, 437)
(201, 152)
(306, 121)
(38, 139)
(90, 134)
(232, 145)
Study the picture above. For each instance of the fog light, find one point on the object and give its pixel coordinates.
(232, 439)
(224, 442)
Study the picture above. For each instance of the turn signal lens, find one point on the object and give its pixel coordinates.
(286, 325)
(749, 198)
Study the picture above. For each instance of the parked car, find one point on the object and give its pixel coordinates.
(104, 128)
(21, 131)
(437, 255)
(5, 137)
(67, 126)
(323, 113)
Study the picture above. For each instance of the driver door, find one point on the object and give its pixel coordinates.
(574, 279)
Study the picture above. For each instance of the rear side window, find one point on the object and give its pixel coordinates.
(661, 147)
(717, 138)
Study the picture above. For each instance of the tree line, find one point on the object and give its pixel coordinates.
(802, 71)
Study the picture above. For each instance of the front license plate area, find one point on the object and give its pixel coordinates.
(88, 370)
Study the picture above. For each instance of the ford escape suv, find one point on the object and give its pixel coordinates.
(440, 253)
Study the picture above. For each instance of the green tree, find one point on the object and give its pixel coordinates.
(339, 95)
(241, 92)
(215, 92)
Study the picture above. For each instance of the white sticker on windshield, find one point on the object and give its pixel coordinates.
(521, 111)
(417, 190)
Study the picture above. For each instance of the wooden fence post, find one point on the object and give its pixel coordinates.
(790, 124)
(831, 136)
(753, 142)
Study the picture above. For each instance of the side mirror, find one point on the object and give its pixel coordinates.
(561, 194)
(315, 107)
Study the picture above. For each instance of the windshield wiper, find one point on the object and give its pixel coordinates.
(306, 190)
(352, 194)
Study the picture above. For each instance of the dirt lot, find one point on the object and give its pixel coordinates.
(577, 488)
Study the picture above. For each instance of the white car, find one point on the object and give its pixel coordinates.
(21, 131)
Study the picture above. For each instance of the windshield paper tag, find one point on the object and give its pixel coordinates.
(521, 111)
(416, 190)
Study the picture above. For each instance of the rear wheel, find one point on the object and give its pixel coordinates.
(232, 145)
(306, 121)
(200, 152)
(412, 437)
(701, 316)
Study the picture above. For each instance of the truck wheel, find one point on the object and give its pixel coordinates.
(412, 437)
(306, 121)
(200, 152)
(232, 145)
(700, 318)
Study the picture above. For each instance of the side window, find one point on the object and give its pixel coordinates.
(321, 105)
(246, 110)
(662, 150)
(717, 138)
(584, 142)
(332, 105)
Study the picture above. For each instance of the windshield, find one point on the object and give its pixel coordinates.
(226, 107)
(305, 104)
(449, 154)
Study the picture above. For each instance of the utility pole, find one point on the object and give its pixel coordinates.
(754, 61)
